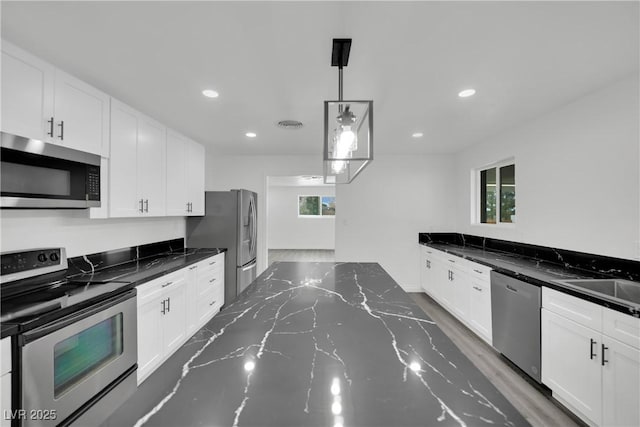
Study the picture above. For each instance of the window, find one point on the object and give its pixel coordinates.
(316, 206)
(497, 193)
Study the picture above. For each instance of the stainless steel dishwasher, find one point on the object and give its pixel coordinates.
(515, 318)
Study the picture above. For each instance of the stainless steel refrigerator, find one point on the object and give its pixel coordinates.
(229, 221)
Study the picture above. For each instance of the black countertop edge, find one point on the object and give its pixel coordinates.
(549, 283)
(607, 266)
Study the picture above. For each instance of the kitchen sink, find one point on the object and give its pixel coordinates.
(622, 289)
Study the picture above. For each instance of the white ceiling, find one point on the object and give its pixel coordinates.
(271, 61)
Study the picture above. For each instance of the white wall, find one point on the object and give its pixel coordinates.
(379, 215)
(288, 231)
(250, 173)
(73, 230)
(577, 175)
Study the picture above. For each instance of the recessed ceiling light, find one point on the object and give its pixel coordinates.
(417, 135)
(467, 93)
(251, 134)
(210, 93)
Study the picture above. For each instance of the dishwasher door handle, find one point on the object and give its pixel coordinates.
(512, 289)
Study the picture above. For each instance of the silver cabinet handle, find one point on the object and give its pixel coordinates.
(166, 284)
(146, 205)
(141, 205)
(453, 261)
(188, 207)
(212, 303)
(477, 289)
(163, 309)
(478, 271)
(61, 126)
(168, 304)
(50, 121)
(212, 280)
(193, 268)
(212, 262)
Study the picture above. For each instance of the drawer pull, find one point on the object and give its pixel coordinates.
(193, 268)
(592, 354)
(167, 284)
(453, 261)
(212, 304)
(604, 347)
(477, 289)
(212, 280)
(212, 262)
(478, 271)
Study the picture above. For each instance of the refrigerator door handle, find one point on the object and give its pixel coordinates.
(252, 218)
(250, 266)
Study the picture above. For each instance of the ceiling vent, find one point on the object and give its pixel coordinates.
(289, 124)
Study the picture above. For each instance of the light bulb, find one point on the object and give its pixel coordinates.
(347, 138)
(338, 166)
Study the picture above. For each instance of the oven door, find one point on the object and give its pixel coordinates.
(70, 362)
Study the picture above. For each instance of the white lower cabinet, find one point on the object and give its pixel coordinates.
(161, 320)
(595, 375)
(460, 286)
(172, 308)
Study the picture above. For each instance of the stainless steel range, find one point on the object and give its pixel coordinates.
(75, 344)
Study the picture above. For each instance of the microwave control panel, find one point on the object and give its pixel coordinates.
(93, 183)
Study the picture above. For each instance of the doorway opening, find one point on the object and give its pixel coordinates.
(300, 219)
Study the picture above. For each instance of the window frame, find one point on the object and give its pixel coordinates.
(476, 194)
(319, 197)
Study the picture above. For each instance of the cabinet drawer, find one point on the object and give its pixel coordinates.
(213, 262)
(210, 280)
(5, 353)
(479, 271)
(209, 304)
(153, 288)
(583, 312)
(621, 326)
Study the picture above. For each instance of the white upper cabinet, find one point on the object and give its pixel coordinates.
(185, 176)
(27, 95)
(44, 103)
(136, 167)
(195, 177)
(81, 115)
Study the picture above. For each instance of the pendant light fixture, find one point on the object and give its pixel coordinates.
(348, 128)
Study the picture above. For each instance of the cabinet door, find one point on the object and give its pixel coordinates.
(81, 115)
(195, 177)
(151, 166)
(150, 345)
(27, 94)
(480, 310)
(192, 300)
(425, 271)
(461, 294)
(442, 290)
(177, 197)
(174, 320)
(568, 367)
(123, 193)
(620, 384)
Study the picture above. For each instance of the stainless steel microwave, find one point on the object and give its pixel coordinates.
(36, 174)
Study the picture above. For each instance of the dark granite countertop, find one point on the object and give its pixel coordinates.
(319, 344)
(538, 272)
(141, 270)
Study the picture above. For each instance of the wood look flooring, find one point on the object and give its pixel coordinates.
(302, 255)
(535, 405)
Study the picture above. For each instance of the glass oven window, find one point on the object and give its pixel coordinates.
(17, 178)
(84, 353)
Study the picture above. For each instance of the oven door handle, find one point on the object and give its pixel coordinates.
(69, 319)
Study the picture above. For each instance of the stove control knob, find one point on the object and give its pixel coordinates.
(42, 257)
(54, 257)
